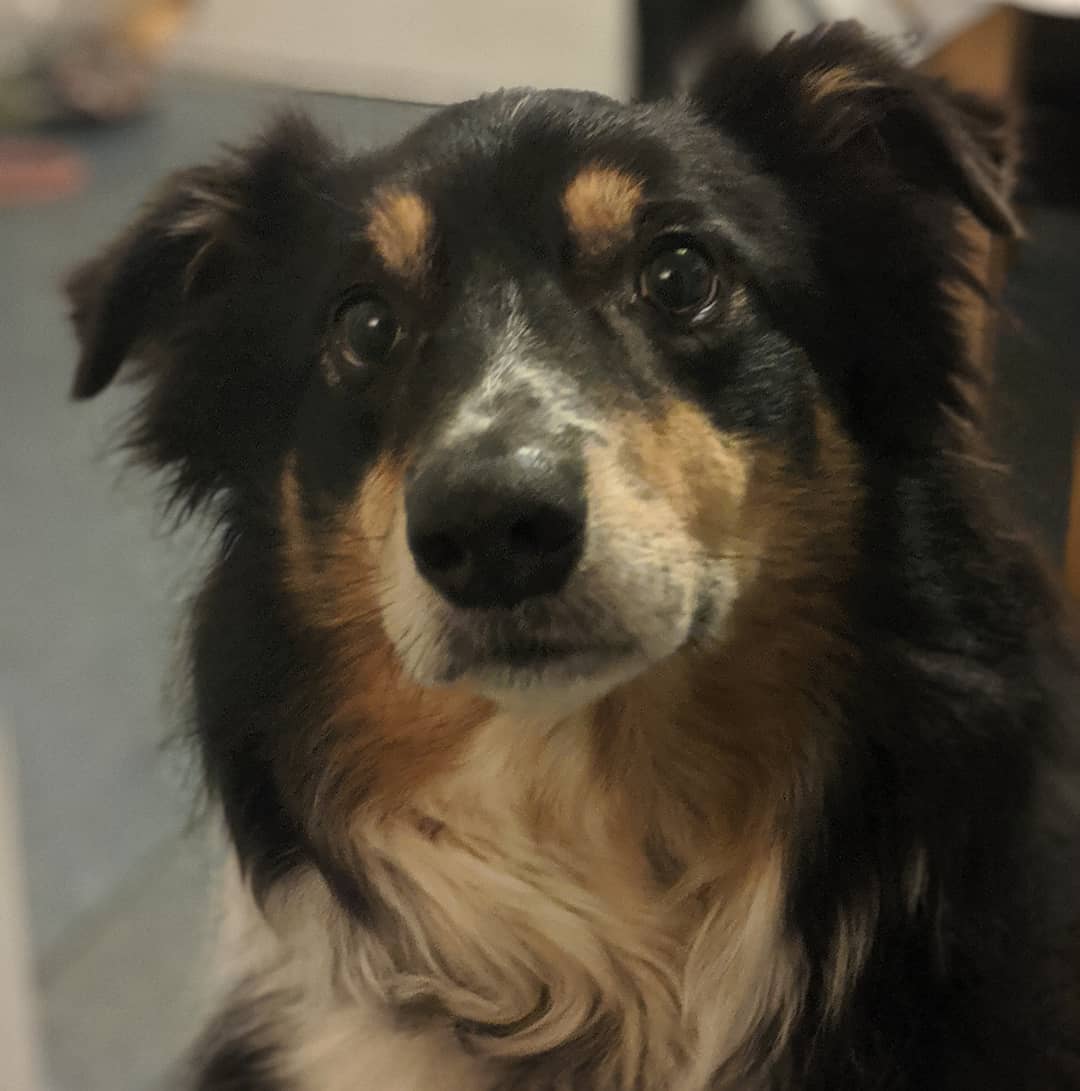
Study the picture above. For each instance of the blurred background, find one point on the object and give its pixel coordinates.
(106, 875)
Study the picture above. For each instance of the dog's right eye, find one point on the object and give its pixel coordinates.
(367, 330)
(679, 279)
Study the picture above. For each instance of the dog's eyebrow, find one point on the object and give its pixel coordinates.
(600, 203)
(401, 228)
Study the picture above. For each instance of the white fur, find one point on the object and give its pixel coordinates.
(512, 875)
(330, 1032)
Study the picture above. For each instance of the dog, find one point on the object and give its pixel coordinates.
(617, 671)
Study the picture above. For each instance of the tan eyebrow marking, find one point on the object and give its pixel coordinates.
(401, 227)
(599, 204)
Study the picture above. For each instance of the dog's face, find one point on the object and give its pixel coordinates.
(555, 387)
(545, 378)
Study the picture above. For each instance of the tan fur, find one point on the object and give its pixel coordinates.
(401, 227)
(853, 937)
(916, 879)
(827, 83)
(701, 472)
(385, 734)
(600, 205)
(789, 543)
(210, 212)
(210, 218)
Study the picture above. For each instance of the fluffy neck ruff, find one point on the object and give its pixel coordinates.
(602, 895)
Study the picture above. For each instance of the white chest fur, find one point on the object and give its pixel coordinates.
(517, 893)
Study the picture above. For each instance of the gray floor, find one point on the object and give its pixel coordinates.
(119, 883)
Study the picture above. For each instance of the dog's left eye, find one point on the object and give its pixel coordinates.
(679, 278)
(368, 330)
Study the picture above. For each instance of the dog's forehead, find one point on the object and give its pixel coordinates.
(518, 175)
(508, 162)
(512, 128)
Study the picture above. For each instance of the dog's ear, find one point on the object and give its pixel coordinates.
(877, 160)
(131, 296)
(186, 243)
(853, 98)
(197, 291)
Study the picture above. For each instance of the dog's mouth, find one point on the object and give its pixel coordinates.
(506, 650)
(553, 657)
(531, 653)
(627, 606)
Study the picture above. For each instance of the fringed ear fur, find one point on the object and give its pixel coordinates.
(854, 97)
(183, 245)
(879, 159)
(211, 291)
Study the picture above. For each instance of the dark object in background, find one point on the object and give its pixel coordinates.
(673, 34)
(1052, 163)
(1035, 406)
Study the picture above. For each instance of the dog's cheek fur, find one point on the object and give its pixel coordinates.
(796, 532)
(383, 735)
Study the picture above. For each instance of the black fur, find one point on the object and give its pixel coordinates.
(841, 212)
(236, 1054)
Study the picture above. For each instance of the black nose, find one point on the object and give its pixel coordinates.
(493, 531)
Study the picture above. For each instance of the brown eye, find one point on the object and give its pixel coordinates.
(368, 330)
(679, 279)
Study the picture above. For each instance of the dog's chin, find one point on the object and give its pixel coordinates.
(534, 669)
(562, 677)
(563, 652)
(539, 673)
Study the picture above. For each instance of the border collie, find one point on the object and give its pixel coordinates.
(616, 673)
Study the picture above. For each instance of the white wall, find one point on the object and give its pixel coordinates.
(18, 1030)
(415, 50)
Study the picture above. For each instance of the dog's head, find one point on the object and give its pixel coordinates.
(554, 387)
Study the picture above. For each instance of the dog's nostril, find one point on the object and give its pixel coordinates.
(525, 535)
(441, 552)
(544, 532)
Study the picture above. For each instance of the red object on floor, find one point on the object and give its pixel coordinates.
(34, 171)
